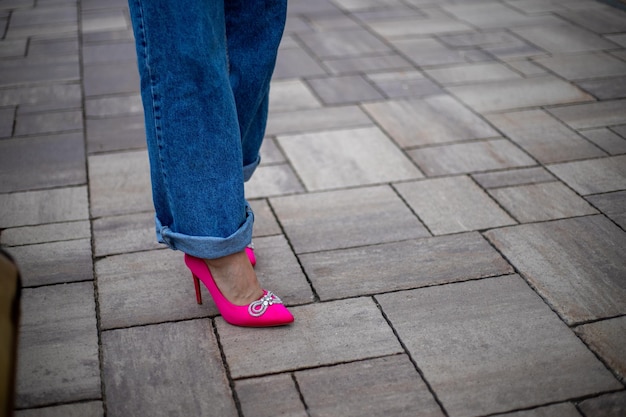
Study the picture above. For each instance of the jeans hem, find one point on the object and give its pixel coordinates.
(208, 247)
(249, 169)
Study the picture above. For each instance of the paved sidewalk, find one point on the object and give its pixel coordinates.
(442, 203)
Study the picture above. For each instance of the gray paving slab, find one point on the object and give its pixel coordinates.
(46, 206)
(582, 66)
(513, 177)
(322, 334)
(356, 5)
(608, 339)
(408, 28)
(115, 133)
(271, 153)
(526, 67)
(265, 223)
(471, 73)
(165, 354)
(611, 204)
(605, 88)
(464, 158)
(44, 15)
(620, 130)
(342, 43)
(452, 205)
(118, 105)
(51, 46)
(108, 52)
(126, 233)
(288, 95)
(26, 71)
(383, 62)
(344, 89)
(430, 120)
(28, 235)
(42, 162)
(590, 115)
(119, 183)
(87, 409)
(593, 176)
(345, 218)
(402, 265)
(516, 94)
(273, 180)
(609, 405)
(460, 333)
(270, 396)
(496, 37)
(121, 35)
(576, 264)
(384, 386)
(400, 84)
(110, 78)
(564, 39)
(50, 122)
(607, 140)
(344, 158)
(296, 62)
(425, 52)
(599, 20)
(58, 350)
(395, 11)
(147, 287)
(539, 202)
(52, 96)
(311, 120)
(7, 116)
(54, 262)
(13, 49)
(557, 410)
(103, 20)
(495, 15)
(543, 136)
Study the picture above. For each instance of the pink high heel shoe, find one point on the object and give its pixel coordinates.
(265, 312)
(250, 253)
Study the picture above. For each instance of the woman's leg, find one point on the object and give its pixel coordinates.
(192, 127)
(253, 30)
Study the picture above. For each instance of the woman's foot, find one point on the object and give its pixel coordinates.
(235, 278)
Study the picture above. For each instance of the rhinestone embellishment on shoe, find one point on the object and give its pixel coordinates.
(258, 307)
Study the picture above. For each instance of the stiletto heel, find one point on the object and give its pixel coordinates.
(264, 312)
(250, 253)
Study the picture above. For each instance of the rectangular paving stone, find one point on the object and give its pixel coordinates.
(126, 233)
(563, 38)
(539, 202)
(29, 235)
(312, 120)
(56, 45)
(346, 218)
(513, 177)
(590, 115)
(119, 183)
(273, 180)
(42, 162)
(404, 84)
(512, 94)
(43, 15)
(605, 88)
(482, 39)
(608, 405)
(110, 52)
(607, 139)
(576, 264)
(110, 78)
(427, 51)
(593, 176)
(385, 386)
(258, 401)
(526, 67)
(7, 117)
(147, 287)
(495, 15)
(271, 153)
(46, 206)
(88, 409)
(265, 223)
(544, 137)
(295, 62)
(452, 205)
(599, 20)
(54, 262)
(116, 133)
(121, 35)
(469, 157)
(344, 89)
(27, 72)
(608, 339)
(118, 105)
(402, 265)
(461, 333)
(409, 28)
(343, 158)
(15, 48)
(383, 62)
(581, 66)
(556, 410)
(52, 96)
(182, 363)
(352, 42)
(322, 334)
(430, 120)
(471, 73)
(613, 205)
(58, 348)
(103, 20)
(51, 122)
(291, 95)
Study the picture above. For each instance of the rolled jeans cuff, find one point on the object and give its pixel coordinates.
(249, 169)
(207, 247)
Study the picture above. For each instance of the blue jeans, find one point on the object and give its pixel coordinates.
(205, 68)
